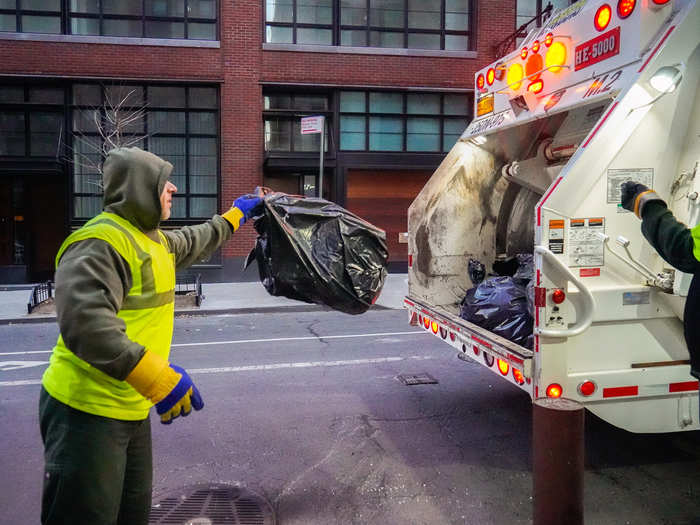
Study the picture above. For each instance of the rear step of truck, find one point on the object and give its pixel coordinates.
(478, 343)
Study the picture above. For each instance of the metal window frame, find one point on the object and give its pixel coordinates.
(293, 113)
(183, 193)
(336, 26)
(66, 15)
(404, 116)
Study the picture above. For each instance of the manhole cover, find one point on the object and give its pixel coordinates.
(217, 504)
(417, 379)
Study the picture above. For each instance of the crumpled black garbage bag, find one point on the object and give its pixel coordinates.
(526, 268)
(476, 270)
(313, 250)
(499, 304)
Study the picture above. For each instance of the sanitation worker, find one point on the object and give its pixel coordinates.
(115, 291)
(679, 246)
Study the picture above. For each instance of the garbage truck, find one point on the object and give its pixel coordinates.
(604, 92)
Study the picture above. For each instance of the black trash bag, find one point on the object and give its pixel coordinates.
(315, 251)
(505, 266)
(499, 304)
(526, 268)
(476, 270)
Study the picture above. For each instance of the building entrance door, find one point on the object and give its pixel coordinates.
(33, 215)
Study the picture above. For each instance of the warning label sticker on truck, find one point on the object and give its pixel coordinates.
(617, 176)
(556, 236)
(586, 247)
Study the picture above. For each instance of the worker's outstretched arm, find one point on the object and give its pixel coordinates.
(197, 243)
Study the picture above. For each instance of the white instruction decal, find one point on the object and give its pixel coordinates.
(585, 245)
(617, 177)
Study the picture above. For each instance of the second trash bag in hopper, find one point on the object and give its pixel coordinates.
(315, 251)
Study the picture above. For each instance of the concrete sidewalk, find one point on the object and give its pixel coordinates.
(219, 298)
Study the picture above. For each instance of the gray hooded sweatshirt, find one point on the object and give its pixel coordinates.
(92, 279)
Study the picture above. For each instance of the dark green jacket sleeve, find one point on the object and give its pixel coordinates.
(92, 280)
(192, 244)
(671, 238)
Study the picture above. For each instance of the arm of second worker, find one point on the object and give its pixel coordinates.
(92, 280)
(195, 243)
(670, 237)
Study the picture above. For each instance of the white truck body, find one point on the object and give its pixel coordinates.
(540, 172)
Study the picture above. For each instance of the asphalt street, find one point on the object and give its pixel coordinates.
(306, 409)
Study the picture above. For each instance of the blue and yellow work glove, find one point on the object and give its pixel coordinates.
(167, 386)
(244, 207)
(635, 195)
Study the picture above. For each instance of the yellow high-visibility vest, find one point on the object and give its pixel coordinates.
(147, 311)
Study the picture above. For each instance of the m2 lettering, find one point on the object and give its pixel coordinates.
(598, 49)
(602, 84)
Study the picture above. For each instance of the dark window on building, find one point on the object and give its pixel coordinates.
(192, 19)
(413, 122)
(282, 121)
(412, 24)
(31, 121)
(31, 16)
(177, 123)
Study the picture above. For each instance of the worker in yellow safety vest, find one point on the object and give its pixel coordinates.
(115, 292)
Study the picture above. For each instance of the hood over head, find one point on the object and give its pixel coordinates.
(133, 181)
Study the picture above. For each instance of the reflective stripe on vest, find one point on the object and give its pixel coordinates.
(696, 241)
(147, 311)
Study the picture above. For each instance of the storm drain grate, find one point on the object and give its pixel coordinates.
(417, 379)
(217, 504)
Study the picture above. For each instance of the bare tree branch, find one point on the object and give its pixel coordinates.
(112, 122)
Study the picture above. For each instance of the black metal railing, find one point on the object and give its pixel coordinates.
(40, 293)
(506, 45)
(186, 284)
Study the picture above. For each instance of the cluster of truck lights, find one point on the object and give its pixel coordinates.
(516, 73)
(554, 390)
(502, 365)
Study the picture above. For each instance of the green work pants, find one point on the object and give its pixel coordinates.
(98, 470)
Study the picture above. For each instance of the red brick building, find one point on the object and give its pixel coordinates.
(223, 86)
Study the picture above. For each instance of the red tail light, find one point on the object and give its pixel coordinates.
(426, 322)
(435, 327)
(536, 86)
(602, 17)
(518, 376)
(490, 76)
(554, 390)
(548, 39)
(625, 7)
(535, 46)
(587, 388)
(503, 367)
(558, 296)
(660, 2)
(480, 82)
(523, 53)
